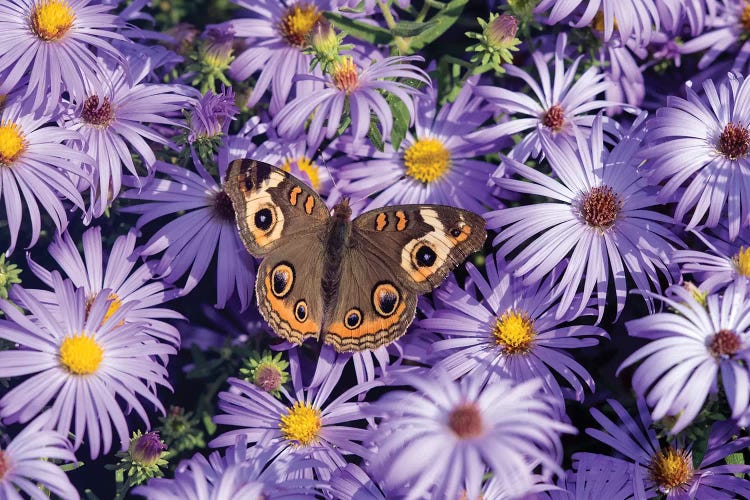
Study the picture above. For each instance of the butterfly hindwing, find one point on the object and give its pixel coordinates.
(271, 204)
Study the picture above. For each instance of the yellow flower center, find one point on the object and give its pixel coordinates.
(12, 142)
(114, 305)
(50, 20)
(598, 23)
(297, 23)
(671, 468)
(304, 164)
(301, 424)
(742, 261)
(427, 160)
(745, 18)
(81, 354)
(514, 332)
(345, 75)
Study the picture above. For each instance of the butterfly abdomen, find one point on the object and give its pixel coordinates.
(339, 231)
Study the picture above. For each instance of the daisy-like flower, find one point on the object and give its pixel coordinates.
(434, 163)
(55, 40)
(511, 333)
(114, 117)
(689, 349)
(35, 164)
(296, 157)
(361, 89)
(600, 220)
(80, 364)
(704, 145)
(274, 38)
(24, 463)
(304, 425)
(635, 18)
(727, 30)
(442, 438)
(559, 108)
(125, 282)
(241, 473)
(205, 223)
(725, 262)
(650, 468)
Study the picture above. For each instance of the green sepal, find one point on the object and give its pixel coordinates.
(363, 31)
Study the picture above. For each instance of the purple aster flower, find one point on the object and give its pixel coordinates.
(434, 163)
(125, 282)
(351, 481)
(190, 240)
(305, 425)
(600, 220)
(55, 40)
(212, 115)
(635, 18)
(726, 31)
(80, 365)
(651, 468)
(597, 476)
(442, 438)
(675, 13)
(724, 263)
(558, 109)
(25, 463)
(511, 333)
(35, 164)
(704, 144)
(274, 39)
(241, 473)
(623, 74)
(689, 349)
(361, 89)
(114, 118)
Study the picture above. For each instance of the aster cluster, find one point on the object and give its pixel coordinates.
(598, 346)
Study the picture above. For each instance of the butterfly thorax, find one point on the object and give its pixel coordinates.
(337, 239)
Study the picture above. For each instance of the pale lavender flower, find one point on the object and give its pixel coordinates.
(361, 89)
(441, 439)
(600, 220)
(676, 13)
(690, 350)
(25, 463)
(726, 31)
(55, 42)
(82, 366)
(703, 144)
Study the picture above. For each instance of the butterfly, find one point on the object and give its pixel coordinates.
(355, 282)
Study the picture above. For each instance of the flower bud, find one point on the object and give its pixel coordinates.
(147, 449)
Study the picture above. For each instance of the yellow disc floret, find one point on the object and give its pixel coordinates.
(671, 468)
(12, 142)
(514, 331)
(81, 354)
(345, 75)
(427, 160)
(304, 164)
(297, 23)
(742, 261)
(301, 424)
(50, 20)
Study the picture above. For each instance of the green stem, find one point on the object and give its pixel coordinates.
(422, 13)
(401, 43)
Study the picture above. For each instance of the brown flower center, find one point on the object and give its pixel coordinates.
(297, 23)
(745, 18)
(96, 115)
(554, 118)
(734, 142)
(223, 207)
(4, 464)
(724, 343)
(345, 75)
(465, 421)
(671, 468)
(600, 207)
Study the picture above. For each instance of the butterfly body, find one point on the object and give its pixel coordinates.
(353, 282)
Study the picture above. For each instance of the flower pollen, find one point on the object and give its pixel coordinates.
(724, 343)
(81, 354)
(671, 469)
(4, 464)
(742, 261)
(514, 332)
(50, 20)
(554, 118)
(465, 421)
(345, 75)
(223, 207)
(734, 141)
(96, 115)
(297, 23)
(12, 142)
(427, 160)
(301, 424)
(600, 207)
(304, 165)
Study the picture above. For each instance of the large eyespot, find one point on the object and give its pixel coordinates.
(385, 299)
(282, 278)
(424, 256)
(353, 318)
(264, 219)
(300, 311)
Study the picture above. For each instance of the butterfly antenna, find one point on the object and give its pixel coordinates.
(330, 175)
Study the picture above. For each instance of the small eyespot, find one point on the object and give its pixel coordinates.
(385, 299)
(425, 256)
(282, 279)
(248, 183)
(264, 219)
(300, 311)
(456, 232)
(353, 318)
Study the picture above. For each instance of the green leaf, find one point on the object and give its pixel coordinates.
(443, 20)
(408, 29)
(374, 134)
(367, 32)
(401, 120)
(70, 467)
(736, 458)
